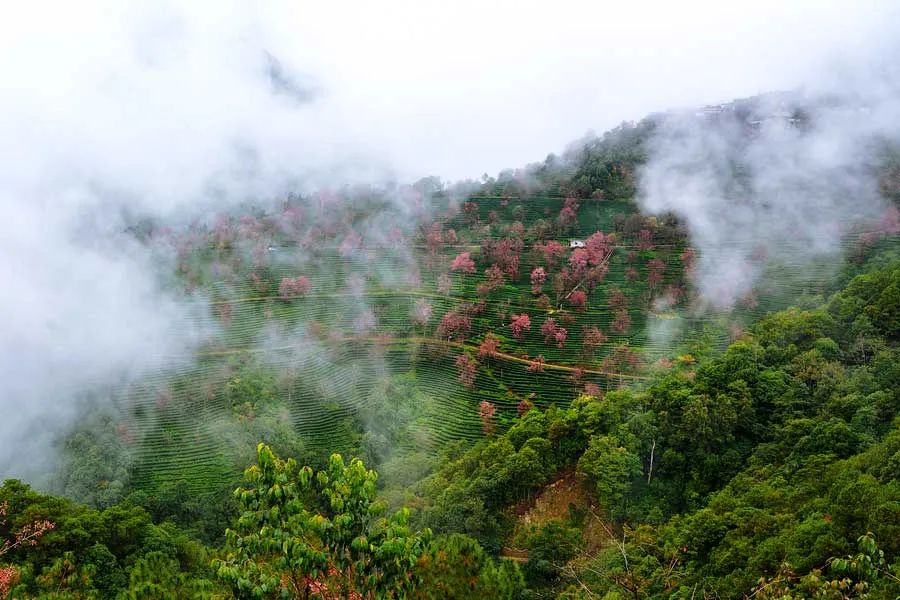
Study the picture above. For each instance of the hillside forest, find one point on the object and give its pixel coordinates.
(504, 388)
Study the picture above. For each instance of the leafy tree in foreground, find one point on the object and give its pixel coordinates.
(317, 535)
(858, 576)
(26, 535)
(158, 577)
(550, 546)
(457, 567)
(611, 468)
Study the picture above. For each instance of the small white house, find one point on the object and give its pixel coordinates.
(576, 244)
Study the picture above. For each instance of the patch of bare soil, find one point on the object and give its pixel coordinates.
(565, 498)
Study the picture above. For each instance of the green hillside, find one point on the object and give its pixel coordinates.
(530, 368)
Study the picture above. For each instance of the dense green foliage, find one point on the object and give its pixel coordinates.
(89, 553)
(771, 462)
(770, 459)
(303, 533)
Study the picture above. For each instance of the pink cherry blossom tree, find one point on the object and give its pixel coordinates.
(537, 364)
(593, 390)
(524, 406)
(616, 299)
(568, 216)
(548, 329)
(550, 252)
(463, 263)
(621, 322)
(520, 324)
(578, 300)
(493, 280)
(559, 336)
(655, 270)
(489, 346)
(592, 339)
(293, 287)
(538, 277)
(421, 312)
(444, 284)
(454, 326)
(486, 412)
(644, 240)
(467, 368)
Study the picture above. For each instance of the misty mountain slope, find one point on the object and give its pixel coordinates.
(268, 332)
(754, 469)
(311, 361)
(389, 323)
(478, 344)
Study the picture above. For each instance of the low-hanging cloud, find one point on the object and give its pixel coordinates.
(783, 177)
(125, 111)
(112, 111)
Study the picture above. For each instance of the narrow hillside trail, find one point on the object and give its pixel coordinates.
(378, 340)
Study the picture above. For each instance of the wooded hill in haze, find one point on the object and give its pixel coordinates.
(555, 406)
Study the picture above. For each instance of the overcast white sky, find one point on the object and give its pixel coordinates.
(465, 87)
(428, 87)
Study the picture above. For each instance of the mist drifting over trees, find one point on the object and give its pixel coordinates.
(490, 300)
